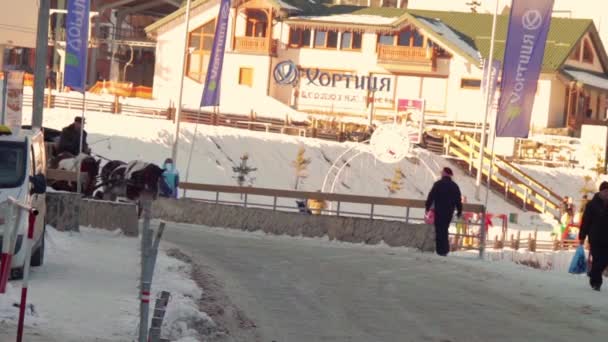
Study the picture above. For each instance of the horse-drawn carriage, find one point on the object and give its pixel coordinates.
(116, 179)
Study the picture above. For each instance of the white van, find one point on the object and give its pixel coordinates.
(22, 172)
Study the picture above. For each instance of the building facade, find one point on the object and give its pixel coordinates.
(353, 63)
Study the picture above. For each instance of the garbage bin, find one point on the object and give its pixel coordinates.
(513, 218)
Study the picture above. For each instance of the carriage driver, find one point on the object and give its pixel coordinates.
(69, 141)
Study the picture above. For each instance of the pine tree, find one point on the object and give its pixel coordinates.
(300, 164)
(242, 171)
(394, 185)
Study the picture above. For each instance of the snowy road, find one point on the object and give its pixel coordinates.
(312, 290)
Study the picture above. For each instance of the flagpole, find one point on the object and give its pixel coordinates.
(488, 66)
(78, 166)
(198, 117)
(82, 114)
(178, 111)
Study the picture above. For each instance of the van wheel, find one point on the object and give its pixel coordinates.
(38, 256)
(17, 273)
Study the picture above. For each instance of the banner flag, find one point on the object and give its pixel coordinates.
(77, 43)
(525, 48)
(211, 91)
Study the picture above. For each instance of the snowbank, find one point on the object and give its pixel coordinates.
(88, 290)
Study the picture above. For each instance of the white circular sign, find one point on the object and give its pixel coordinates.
(390, 143)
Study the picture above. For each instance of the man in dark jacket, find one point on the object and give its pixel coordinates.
(69, 141)
(595, 226)
(445, 197)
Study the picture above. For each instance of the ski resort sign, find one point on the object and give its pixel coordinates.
(336, 91)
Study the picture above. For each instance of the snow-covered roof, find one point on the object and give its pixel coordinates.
(588, 78)
(350, 18)
(452, 36)
(287, 6)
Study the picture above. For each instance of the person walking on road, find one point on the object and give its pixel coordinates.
(444, 197)
(595, 226)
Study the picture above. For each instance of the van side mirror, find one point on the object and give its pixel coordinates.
(38, 184)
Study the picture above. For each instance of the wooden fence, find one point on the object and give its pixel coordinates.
(250, 122)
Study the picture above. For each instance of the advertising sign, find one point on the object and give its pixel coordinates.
(525, 48)
(13, 110)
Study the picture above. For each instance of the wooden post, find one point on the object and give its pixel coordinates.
(517, 243)
(251, 118)
(269, 30)
(116, 107)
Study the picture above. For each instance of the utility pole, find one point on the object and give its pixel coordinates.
(178, 112)
(42, 43)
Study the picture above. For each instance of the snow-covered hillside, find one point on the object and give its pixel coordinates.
(218, 149)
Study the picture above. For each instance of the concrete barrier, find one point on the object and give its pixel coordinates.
(348, 229)
(67, 211)
(62, 210)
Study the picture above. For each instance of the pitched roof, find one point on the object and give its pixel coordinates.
(469, 33)
(466, 33)
(291, 6)
(563, 35)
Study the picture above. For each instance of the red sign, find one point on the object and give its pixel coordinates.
(405, 104)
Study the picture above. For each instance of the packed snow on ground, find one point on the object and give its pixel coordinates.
(88, 289)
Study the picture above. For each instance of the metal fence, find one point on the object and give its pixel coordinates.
(412, 210)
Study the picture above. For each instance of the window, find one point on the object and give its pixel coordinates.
(407, 37)
(299, 37)
(256, 23)
(587, 52)
(351, 41)
(12, 168)
(246, 77)
(320, 37)
(200, 43)
(418, 39)
(470, 83)
(404, 38)
(326, 39)
(386, 39)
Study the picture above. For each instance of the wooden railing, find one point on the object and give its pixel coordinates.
(522, 175)
(257, 45)
(320, 196)
(404, 54)
(517, 184)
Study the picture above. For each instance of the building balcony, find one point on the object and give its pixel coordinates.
(407, 58)
(256, 45)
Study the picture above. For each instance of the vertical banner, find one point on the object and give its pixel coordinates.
(525, 48)
(77, 43)
(493, 79)
(13, 110)
(211, 91)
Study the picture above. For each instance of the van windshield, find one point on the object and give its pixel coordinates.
(12, 164)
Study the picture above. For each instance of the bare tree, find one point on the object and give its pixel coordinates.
(395, 184)
(300, 165)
